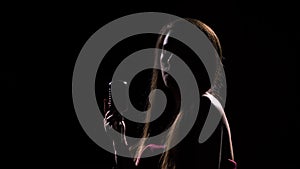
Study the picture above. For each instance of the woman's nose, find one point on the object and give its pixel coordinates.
(165, 59)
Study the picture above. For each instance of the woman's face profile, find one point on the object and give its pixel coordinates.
(165, 61)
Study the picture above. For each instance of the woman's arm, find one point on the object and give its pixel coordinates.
(226, 160)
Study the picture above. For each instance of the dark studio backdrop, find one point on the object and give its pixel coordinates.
(260, 46)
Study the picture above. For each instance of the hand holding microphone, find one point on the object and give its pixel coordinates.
(113, 116)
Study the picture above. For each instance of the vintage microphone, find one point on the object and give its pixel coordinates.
(113, 117)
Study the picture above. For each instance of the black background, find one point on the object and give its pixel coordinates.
(260, 44)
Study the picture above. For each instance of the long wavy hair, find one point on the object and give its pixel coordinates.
(166, 158)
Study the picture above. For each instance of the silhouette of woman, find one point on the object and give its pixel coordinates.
(217, 151)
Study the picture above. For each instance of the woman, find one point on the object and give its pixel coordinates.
(216, 152)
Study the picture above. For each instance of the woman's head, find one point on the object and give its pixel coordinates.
(166, 60)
